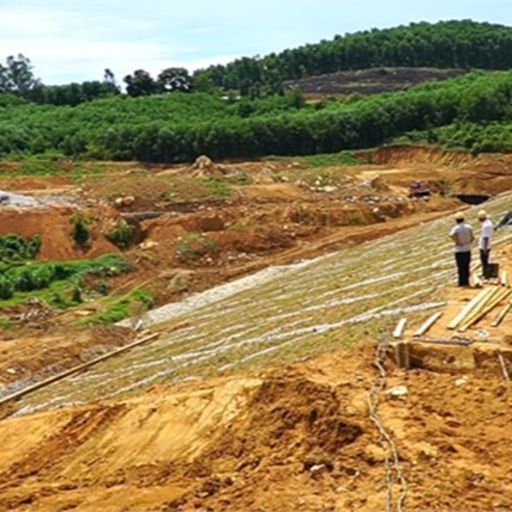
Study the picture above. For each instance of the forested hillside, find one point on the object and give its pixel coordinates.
(181, 126)
(450, 44)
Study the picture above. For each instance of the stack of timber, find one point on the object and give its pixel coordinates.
(479, 306)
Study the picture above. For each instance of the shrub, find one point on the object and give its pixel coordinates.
(133, 305)
(41, 275)
(122, 234)
(14, 248)
(103, 288)
(6, 288)
(194, 246)
(77, 295)
(80, 232)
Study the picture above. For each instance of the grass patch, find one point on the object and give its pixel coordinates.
(343, 158)
(194, 246)
(54, 281)
(131, 305)
(241, 228)
(218, 187)
(332, 160)
(5, 323)
(50, 166)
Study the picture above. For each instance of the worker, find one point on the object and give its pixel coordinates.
(485, 241)
(463, 237)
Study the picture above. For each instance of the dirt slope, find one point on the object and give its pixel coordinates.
(370, 81)
(54, 226)
(289, 439)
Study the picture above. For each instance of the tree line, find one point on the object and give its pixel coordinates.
(181, 126)
(17, 78)
(452, 44)
(448, 44)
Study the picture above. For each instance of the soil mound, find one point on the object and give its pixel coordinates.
(54, 227)
(204, 166)
(298, 438)
(394, 155)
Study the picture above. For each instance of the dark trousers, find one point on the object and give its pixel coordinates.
(463, 260)
(484, 258)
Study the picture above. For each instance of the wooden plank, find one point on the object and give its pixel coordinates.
(76, 369)
(399, 329)
(428, 324)
(402, 355)
(502, 315)
(503, 365)
(448, 341)
(489, 306)
(492, 300)
(487, 299)
(467, 307)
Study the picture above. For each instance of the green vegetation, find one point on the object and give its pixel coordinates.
(16, 249)
(194, 246)
(333, 160)
(5, 323)
(80, 231)
(60, 283)
(94, 121)
(478, 138)
(181, 126)
(218, 187)
(447, 44)
(132, 304)
(121, 234)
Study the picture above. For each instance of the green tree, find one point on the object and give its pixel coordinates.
(17, 75)
(174, 79)
(140, 83)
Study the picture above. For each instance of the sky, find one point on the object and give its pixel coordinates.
(75, 40)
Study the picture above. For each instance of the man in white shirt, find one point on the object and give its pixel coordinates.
(485, 241)
(462, 236)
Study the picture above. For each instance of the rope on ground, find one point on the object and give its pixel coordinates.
(392, 460)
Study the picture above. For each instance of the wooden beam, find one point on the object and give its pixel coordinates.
(402, 355)
(502, 315)
(428, 324)
(76, 369)
(446, 341)
(486, 308)
(493, 299)
(503, 365)
(467, 307)
(399, 329)
(487, 299)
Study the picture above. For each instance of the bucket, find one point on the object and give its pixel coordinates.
(492, 271)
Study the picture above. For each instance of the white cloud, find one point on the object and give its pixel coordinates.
(64, 46)
(74, 40)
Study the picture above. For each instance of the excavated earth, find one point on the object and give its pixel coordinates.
(232, 408)
(294, 438)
